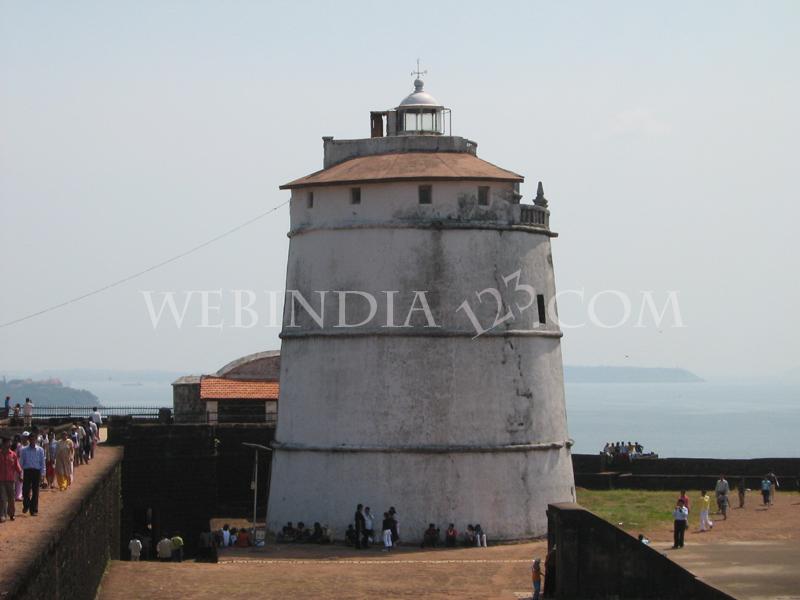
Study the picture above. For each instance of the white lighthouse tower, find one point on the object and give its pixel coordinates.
(421, 360)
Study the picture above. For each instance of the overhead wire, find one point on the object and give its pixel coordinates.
(138, 274)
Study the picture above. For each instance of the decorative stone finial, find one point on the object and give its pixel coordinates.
(540, 200)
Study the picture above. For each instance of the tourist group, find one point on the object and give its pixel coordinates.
(43, 459)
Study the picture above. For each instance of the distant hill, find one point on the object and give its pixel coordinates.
(49, 392)
(135, 375)
(573, 374)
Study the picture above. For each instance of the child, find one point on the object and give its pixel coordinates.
(680, 515)
(705, 506)
(724, 502)
(536, 577)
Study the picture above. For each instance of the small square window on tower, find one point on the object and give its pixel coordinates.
(483, 195)
(355, 195)
(425, 194)
(310, 199)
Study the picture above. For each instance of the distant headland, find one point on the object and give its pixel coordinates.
(46, 392)
(580, 374)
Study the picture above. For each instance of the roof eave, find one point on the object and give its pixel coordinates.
(301, 184)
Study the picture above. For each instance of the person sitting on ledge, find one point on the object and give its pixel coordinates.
(303, 534)
(450, 536)
(469, 536)
(316, 534)
(243, 539)
(288, 533)
(350, 536)
(430, 537)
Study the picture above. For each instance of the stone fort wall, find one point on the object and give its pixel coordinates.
(70, 563)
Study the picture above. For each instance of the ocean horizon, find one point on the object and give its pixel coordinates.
(714, 419)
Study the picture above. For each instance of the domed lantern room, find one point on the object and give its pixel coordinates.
(418, 114)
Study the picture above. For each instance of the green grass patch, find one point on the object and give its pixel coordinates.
(638, 511)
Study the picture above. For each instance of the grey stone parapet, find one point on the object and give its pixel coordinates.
(338, 151)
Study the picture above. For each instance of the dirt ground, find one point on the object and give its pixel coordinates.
(499, 572)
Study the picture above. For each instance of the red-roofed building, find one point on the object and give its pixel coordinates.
(243, 391)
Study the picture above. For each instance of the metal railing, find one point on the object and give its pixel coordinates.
(43, 414)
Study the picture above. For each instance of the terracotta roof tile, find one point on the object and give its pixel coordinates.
(406, 165)
(220, 388)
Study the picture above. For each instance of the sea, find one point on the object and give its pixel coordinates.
(713, 419)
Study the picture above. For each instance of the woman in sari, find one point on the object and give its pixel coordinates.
(50, 450)
(65, 454)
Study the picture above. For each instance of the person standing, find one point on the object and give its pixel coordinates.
(10, 469)
(6, 407)
(705, 506)
(742, 491)
(369, 527)
(177, 548)
(96, 417)
(680, 515)
(766, 486)
(164, 550)
(94, 436)
(685, 499)
(773, 486)
(536, 578)
(359, 521)
(64, 461)
(27, 412)
(480, 536)
(387, 531)
(135, 547)
(395, 525)
(33, 471)
(721, 489)
(50, 451)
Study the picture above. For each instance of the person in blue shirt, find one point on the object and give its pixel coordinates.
(32, 460)
(765, 489)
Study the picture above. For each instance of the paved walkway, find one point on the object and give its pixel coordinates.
(747, 570)
(25, 537)
(283, 572)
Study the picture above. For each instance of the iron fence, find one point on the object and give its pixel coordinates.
(139, 413)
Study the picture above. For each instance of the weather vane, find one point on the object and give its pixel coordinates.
(418, 73)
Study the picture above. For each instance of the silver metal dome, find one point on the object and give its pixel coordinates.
(419, 98)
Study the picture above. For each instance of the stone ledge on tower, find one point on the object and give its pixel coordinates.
(338, 151)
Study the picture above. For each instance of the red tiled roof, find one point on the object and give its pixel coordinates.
(406, 165)
(220, 388)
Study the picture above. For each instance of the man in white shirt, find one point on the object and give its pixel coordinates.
(27, 412)
(135, 546)
(369, 526)
(681, 516)
(721, 489)
(96, 417)
(164, 550)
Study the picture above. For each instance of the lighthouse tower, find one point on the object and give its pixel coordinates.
(420, 360)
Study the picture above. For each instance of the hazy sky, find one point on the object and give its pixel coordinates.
(666, 135)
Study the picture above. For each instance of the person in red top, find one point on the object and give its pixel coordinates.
(243, 539)
(685, 499)
(10, 469)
